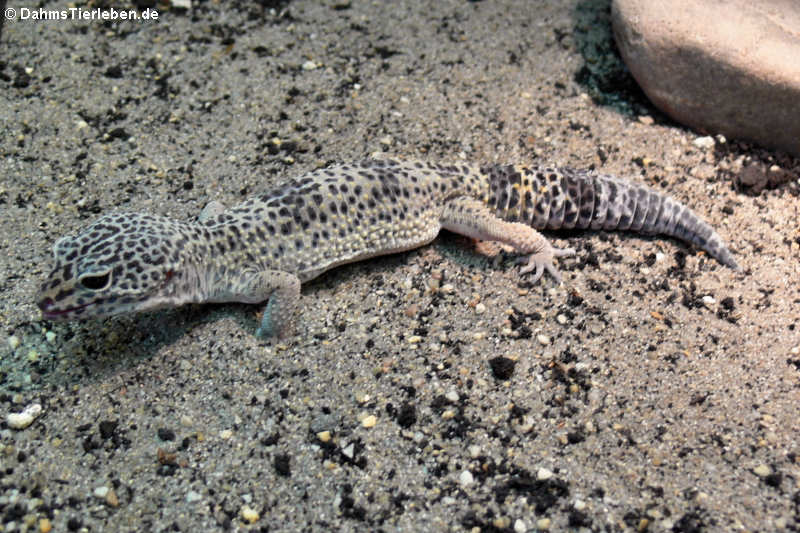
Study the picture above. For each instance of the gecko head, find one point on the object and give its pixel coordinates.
(119, 264)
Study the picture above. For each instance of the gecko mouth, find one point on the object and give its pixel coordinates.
(49, 313)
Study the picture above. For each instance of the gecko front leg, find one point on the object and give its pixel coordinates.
(280, 289)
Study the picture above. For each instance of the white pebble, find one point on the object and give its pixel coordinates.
(704, 142)
(193, 496)
(100, 492)
(465, 479)
(579, 505)
(520, 526)
(50, 337)
(13, 342)
(660, 256)
(452, 396)
(543, 474)
(480, 308)
(349, 450)
(25, 418)
(474, 451)
(561, 319)
(543, 339)
(762, 470)
(309, 65)
(249, 514)
(708, 301)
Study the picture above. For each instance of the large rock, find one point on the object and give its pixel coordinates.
(722, 66)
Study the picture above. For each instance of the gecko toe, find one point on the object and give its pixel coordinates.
(543, 261)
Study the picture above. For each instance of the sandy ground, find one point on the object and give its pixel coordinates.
(655, 390)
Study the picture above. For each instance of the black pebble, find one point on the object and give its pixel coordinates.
(107, 428)
(166, 434)
(502, 367)
(282, 466)
(406, 415)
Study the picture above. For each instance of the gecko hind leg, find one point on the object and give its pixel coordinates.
(467, 216)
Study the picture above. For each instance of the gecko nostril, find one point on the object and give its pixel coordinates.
(45, 304)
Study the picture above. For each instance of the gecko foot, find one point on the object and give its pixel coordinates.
(543, 260)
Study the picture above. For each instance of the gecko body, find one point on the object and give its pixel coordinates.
(263, 249)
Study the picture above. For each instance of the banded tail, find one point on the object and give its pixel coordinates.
(547, 198)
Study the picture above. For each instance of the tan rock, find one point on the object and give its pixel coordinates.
(728, 66)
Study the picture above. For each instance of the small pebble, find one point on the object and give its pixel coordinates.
(13, 342)
(647, 120)
(50, 337)
(501, 522)
(561, 319)
(45, 526)
(309, 65)
(452, 396)
(474, 451)
(349, 451)
(361, 397)
(520, 526)
(704, 142)
(369, 421)
(480, 308)
(25, 418)
(249, 514)
(762, 470)
(225, 434)
(543, 523)
(543, 474)
(465, 479)
(543, 339)
(708, 301)
(100, 493)
(324, 436)
(33, 355)
(193, 496)
(111, 498)
(579, 505)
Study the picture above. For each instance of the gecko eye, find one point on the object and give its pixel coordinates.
(96, 283)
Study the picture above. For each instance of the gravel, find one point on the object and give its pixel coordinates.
(651, 405)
